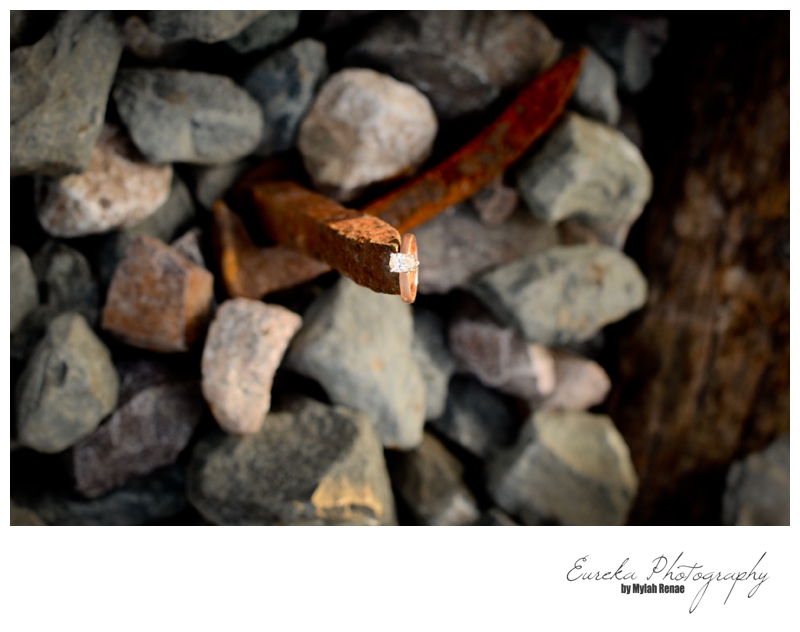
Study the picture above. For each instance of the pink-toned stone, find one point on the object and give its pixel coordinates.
(501, 358)
(580, 384)
(158, 299)
(158, 414)
(495, 202)
(188, 245)
(117, 190)
(245, 344)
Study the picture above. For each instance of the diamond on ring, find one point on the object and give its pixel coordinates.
(400, 262)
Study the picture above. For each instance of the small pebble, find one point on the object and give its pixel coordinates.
(23, 291)
(580, 383)
(495, 202)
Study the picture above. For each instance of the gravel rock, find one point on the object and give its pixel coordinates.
(245, 344)
(24, 517)
(284, 84)
(182, 116)
(625, 48)
(570, 468)
(164, 224)
(564, 294)
(364, 127)
(158, 299)
(158, 412)
(434, 359)
(188, 245)
(429, 481)
(23, 292)
(757, 489)
(596, 92)
(455, 246)
(204, 26)
(211, 183)
(500, 358)
(495, 202)
(580, 383)
(67, 387)
(118, 189)
(310, 464)
(31, 330)
(357, 344)
(476, 418)
(66, 281)
(145, 44)
(59, 90)
(268, 29)
(590, 171)
(160, 495)
(460, 59)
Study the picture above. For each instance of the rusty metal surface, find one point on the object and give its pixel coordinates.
(355, 244)
(490, 153)
(251, 271)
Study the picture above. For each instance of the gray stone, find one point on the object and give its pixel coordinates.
(596, 92)
(204, 26)
(580, 383)
(570, 468)
(429, 481)
(285, 84)
(31, 330)
(588, 171)
(188, 245)
(182, 116)
(757, 488)
(625, 48)
(164, 224)
(500, 357)
(59, 90)
(495, 518)
(357, 344)
(67, 387)
(564, 294)
(23, 292)
(66, 281)
(211, 183)
(455, 246)
(434, 359)
(476, 418)
(158, 412)
(364, 127)
(461, 60)
(270, 28)
(309, 464)
(118, 189)
(154, 497)
(145, 44)
(495, 202)
(244, 346)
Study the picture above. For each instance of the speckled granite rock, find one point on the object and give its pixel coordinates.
(757, 487)
(269, 28)
(357, 344)
(564, 294)
(67, 387)
(182, 116)
(310, 464)
(59, 90)
(364, 127)
(204, 26)
(460, 59)
(244, 346)
(429, 480)
(434, 359)
(570, 468)
(117, 190)
(580, 383)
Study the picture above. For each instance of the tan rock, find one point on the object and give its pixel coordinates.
(119, 189)
(580, 383)
(245, 344)
(158, 299)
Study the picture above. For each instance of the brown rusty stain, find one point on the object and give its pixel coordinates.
(355, 244)
(490, 153)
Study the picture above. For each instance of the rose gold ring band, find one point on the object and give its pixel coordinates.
(409, 280)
